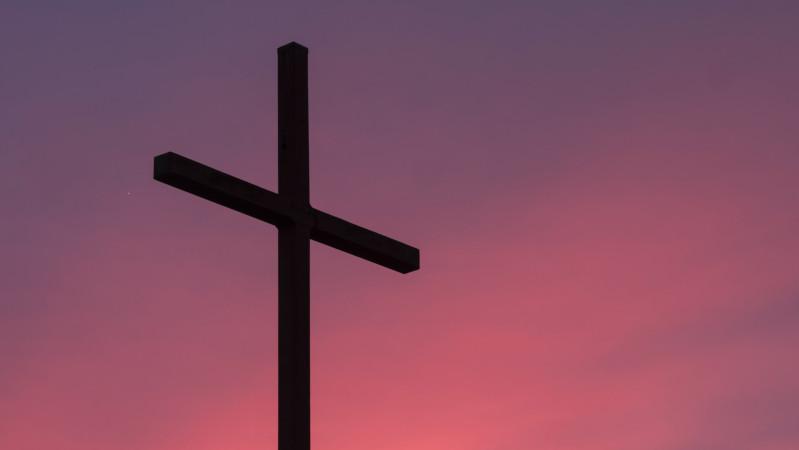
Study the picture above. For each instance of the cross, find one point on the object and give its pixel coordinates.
(297, 223)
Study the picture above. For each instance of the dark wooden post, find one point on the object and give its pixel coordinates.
(294, 257)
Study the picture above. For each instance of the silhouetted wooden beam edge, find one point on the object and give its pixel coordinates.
(247, 198)
(221, 188)
(364, 243)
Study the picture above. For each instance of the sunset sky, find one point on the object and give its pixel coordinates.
(604, 194)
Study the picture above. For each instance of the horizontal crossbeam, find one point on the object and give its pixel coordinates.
(219, 187)
(363, 243)
(265, 205)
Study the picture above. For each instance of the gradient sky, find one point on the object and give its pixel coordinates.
(603, 192)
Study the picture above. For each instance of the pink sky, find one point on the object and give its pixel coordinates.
(604, 195)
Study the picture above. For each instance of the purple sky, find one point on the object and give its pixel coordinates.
(604, 195)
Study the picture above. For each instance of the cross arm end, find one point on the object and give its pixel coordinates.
(221, 188)
(364, 243)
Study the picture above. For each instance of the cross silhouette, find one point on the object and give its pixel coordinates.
(297, 223)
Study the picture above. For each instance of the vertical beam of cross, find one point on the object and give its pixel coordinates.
(294, 258)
